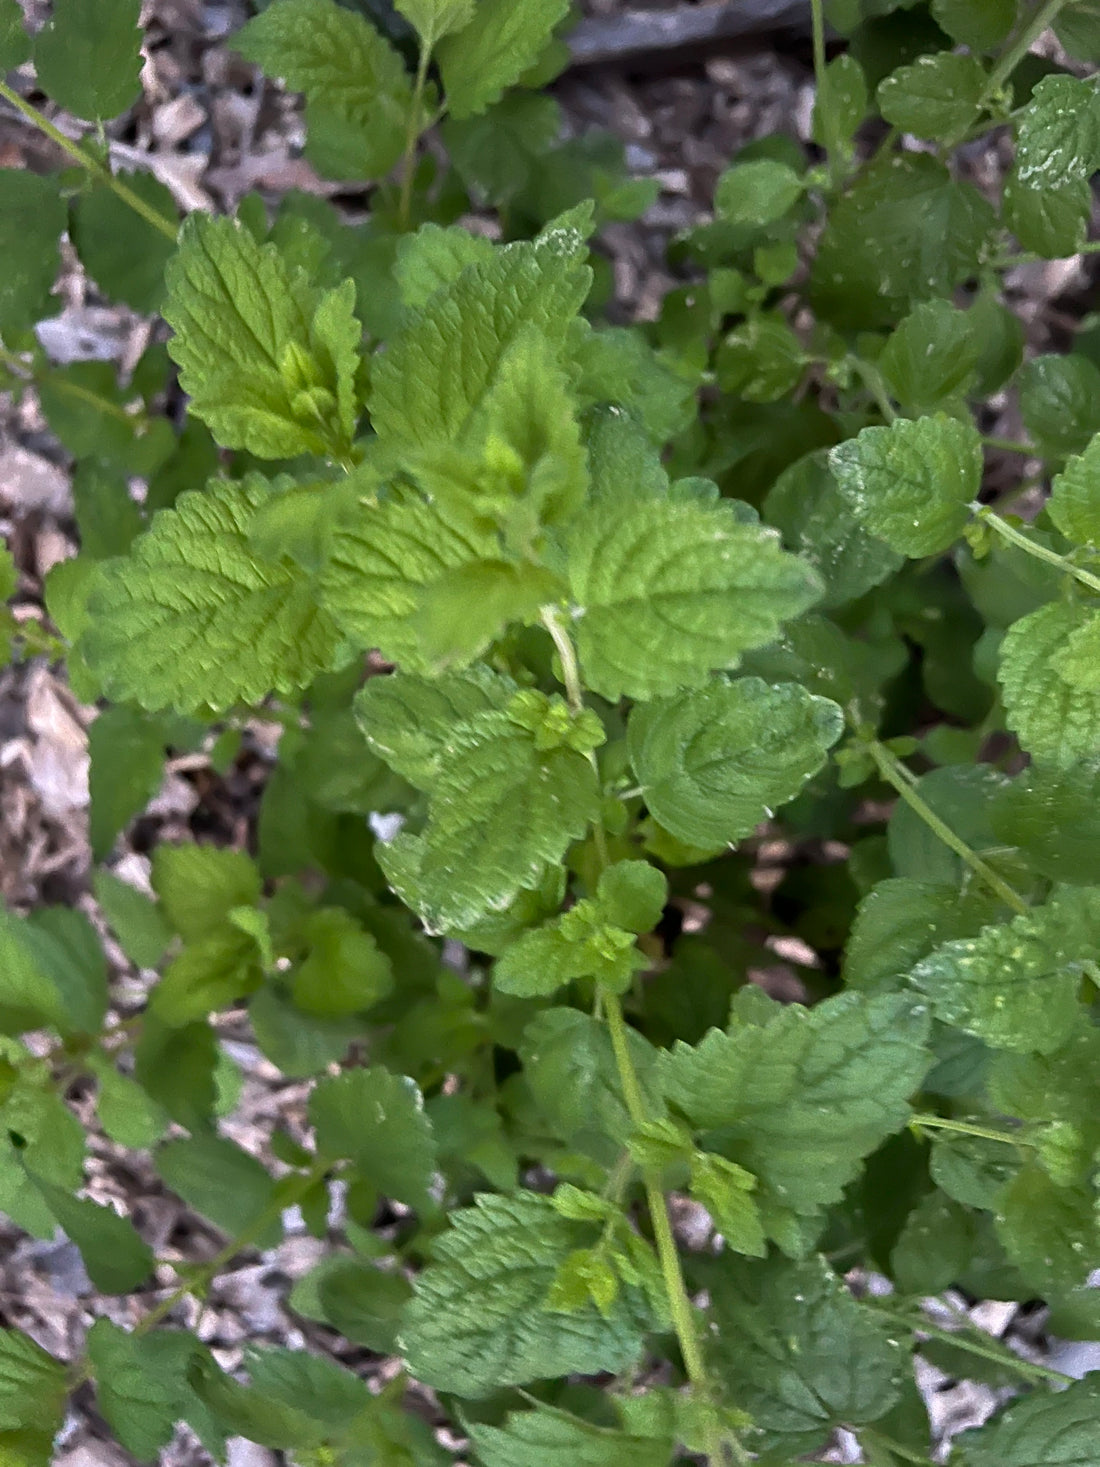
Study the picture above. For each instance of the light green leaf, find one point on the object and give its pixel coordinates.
(1015, 984)
(818, 1358)
(376, 1119)
(221, 1182)
(548, 1438)
(88, 56)
(52, 970)
(1051, 221)
(979, 24)
(1043, 1429)
(136, 921)
(1060, 402)
(580, 944)
(1053, 719)
(437, 371)
(9, 576)
(935, 96)
(713, 764)
(382, 562)
(1053, 816)
(407, 720)
(806, 505)
(632, 894)
(509, 801)
(491, 53)
(192, 618)
(842, 96)
(762, 360)
(1074, 503)
(468, 608)
(116, 1258)
(127, 751)
(128, 1116)
(358, 96)
(900, 921)
(756, 193)
(33, 1385)
(434, 19)
(199, 886)
(434, 257)
(725, 1190)
(123, 253)
(932, 355)
(211, 973)
(269, 361)
(665, 591)
(176, 1068)
(142, 1389)
(478, 1321)
(344, 972)
(803, 1096)
(911, 483)
(32, 218)
(1059, 134)
(1049, 1231)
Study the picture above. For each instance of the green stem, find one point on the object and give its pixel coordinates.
(824, 102)
(412, 137)
(897, 776)
(872, 1434)
(965, 1128)
(1000, 1354)
(675, 1287)
(1010, 445)
(1032, 547)
(1040, 21)
(169, 228)
(875, 383)
(570, 671)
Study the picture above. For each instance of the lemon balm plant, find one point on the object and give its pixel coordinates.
(603, 617)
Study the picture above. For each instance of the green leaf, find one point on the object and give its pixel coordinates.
(900, 921)
(214, 972)
(383, 562)
(971, 1169)
(1015, 984)
(491, 53)
(935, 96)
(127, 765)
(802, 1096)
(117, 1260)
(344, 972)
(570, 1066)
(1074, 503)
(434, 257)
(361, 1301)
(408, 720)
(818, 1357)
(52, 970)
(496, 153)
(192, 618)
(136, 921)
(1050, 1232)
(806, 505)
(725, 1190)
(438, 370)
(756, 193)
(1051, 221)
(38, 1132)
(268, 360)
(664, 591)
(434, 19)
(32, 218)
(376, 1119)
(199, 886)
(297, 1043)
(176, 1068)
(88, 56)
(123, 253)
(842, 96)
(979, 24)
(904, 232)
(546, 1437)
(1060, 402)
(1059, 134)
(911, 483)
(516, 791)
(141, 1386)
(761, 361)
(108, 519)
(1077, 27)
(1055, 719)
(468, 608)
(358, 97)
(33, 1385)
(713, 764)
(1044, 1429)
(932, 356)
(128, 1116)
(934, 1247)
(223, 1183)
(478, 1321)
(267, 1419)
(15, 44)
(633, 895)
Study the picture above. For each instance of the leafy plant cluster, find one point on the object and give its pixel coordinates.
(583, 611)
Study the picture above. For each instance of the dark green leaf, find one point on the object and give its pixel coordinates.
(88, 56)
(32, 218)
(222, 1182)
(376, 1119)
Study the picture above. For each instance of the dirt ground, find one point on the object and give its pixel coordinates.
(211, 131)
